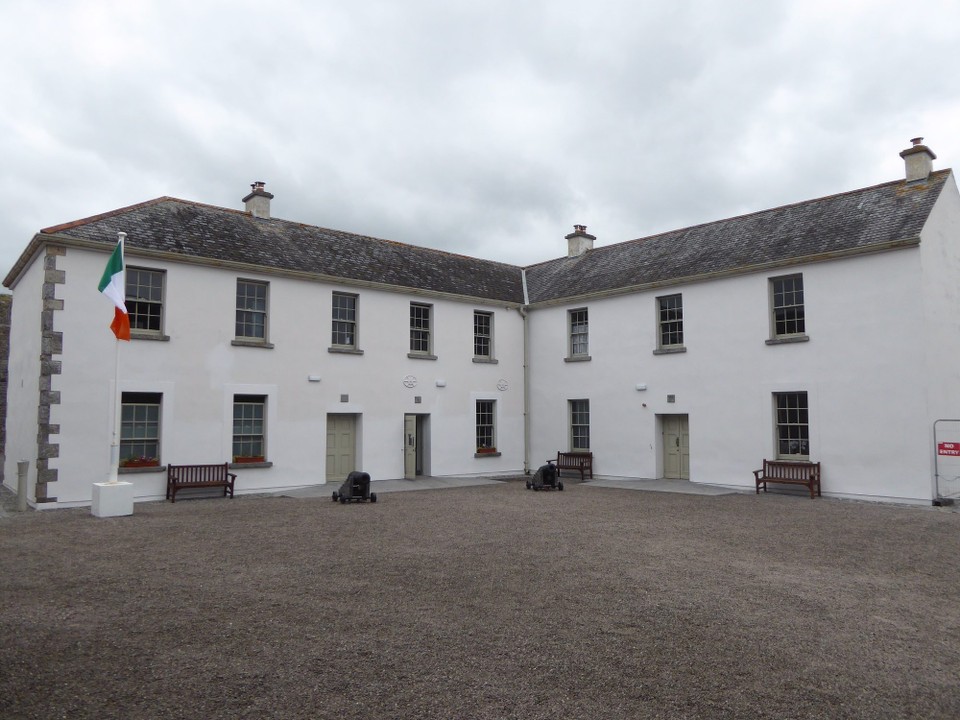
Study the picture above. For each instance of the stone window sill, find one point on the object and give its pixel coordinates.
(489, 454)
(141, 469)
(670, 350)
(787, 340)
(239, 342)
(578, 358)
(421, 356)
(241, 466)
(486, 361)
(134, 335)
(345, 350)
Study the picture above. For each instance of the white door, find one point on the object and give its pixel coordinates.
(676, 446)
(341, 447)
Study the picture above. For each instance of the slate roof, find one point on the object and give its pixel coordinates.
(805, 231)
(857, 221)
(194, 230)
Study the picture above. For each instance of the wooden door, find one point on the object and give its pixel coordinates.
(341, 447)
(676, 446)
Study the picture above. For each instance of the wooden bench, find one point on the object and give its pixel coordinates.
(196, 476)
(789, 472)
(582, 462)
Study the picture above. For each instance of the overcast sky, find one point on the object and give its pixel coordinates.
(483, 128)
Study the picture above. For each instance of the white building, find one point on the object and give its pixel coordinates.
(825, 330)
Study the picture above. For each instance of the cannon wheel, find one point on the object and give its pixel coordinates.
(529, 485)
(343, 500)
(335, 495)
(373, 497)
(560, 486)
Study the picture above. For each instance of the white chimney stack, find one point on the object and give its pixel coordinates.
(919, 160)
(579, 241)
(257, 203)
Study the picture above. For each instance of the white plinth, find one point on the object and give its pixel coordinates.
(112, 499)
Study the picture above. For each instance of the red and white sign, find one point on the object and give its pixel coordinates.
(946, 448)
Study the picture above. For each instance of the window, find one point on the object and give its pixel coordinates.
(420, 334)
(579, 425)
(251, 310)
(787, 306)
(579, 327)
(344, 312)
(670, 321)
(144, 300)
(249, 427)
(139, 429)
(482, 335)
(793, 428)
(486, 426)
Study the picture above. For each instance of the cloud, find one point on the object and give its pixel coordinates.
(486, 129)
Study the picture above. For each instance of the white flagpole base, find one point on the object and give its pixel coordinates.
(112, 499)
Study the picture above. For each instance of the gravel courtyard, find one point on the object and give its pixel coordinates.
(483, 602)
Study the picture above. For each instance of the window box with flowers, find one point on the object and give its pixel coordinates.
(139, 462)
(483, 450)
(248, 459)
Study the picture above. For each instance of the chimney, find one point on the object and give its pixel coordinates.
(257, 203)
(579, 241)
(919, 160)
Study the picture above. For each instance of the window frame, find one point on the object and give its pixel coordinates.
(485, 426)
(578, 334)
(134, 303)
(421, 331)
(670, 326)
(352, 324)
(254, 438)
(579, 410)
(263, 340)
(480, 338)
(143, 450)
(787, 314)
(791, 424)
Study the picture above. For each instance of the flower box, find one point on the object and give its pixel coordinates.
(243, 459)
(139, 462)
(486, 450)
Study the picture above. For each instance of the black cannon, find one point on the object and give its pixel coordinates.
(547, 477)
(356, 488)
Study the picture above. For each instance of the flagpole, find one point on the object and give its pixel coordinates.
(115, 435)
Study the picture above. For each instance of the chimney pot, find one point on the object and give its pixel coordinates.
(579, 241)
(918, 160)
(257, 203)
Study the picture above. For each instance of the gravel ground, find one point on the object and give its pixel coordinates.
(483, 602)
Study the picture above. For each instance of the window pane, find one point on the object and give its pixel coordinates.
(344, 317)
(248, 426)
(482, 345)
(251, 310)
(579, 425)
(788, 309)
(140, 427)
(579, 332)
(793, 430)
(419, 328)
(144, 298)
(485, 424)
(671, 320)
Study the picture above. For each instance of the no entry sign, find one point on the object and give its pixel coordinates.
(948, 448)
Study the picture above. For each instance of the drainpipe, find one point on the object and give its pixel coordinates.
(526, 375)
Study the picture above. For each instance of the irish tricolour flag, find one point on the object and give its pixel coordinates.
(112, 286)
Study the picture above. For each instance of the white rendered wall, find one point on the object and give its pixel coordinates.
(861, 369)
(23, 373)
(198, 371)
